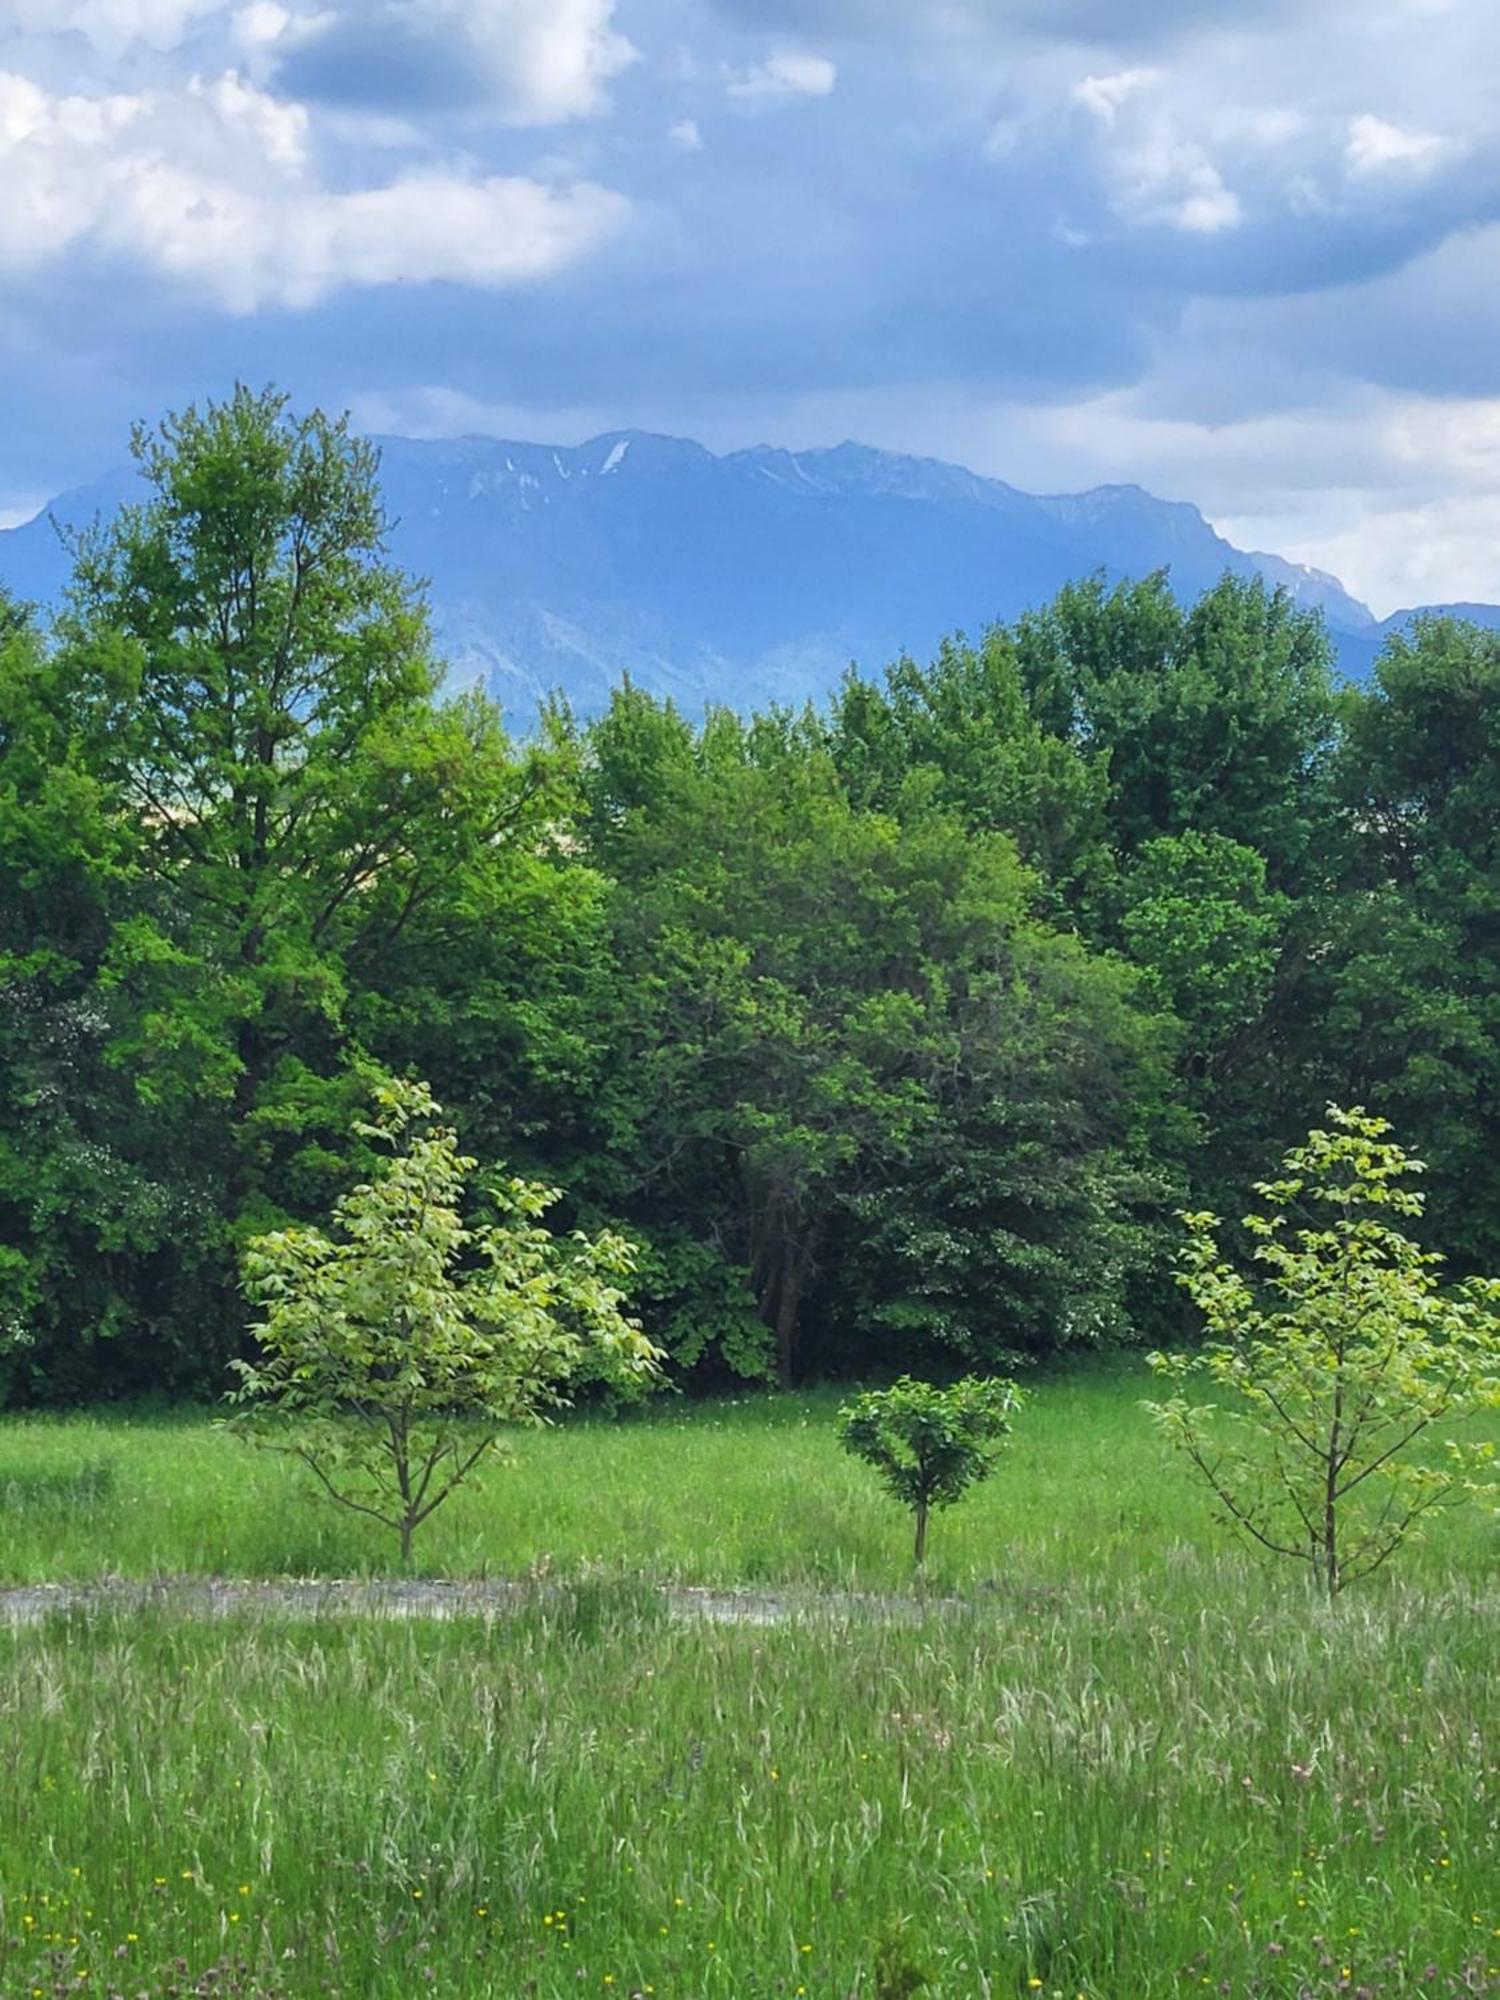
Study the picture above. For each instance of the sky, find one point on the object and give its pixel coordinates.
(1242, 252)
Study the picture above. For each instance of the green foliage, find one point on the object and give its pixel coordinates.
(929, 1445)
(913, 1081)
(894, 1034)
(1216, 718)
(1341, 1352)
(1411, 992)
(958, 735)
(394, 1352)
(226, 791)
(701, 1309)
(1200, 920)
(897, 1973)
(1216, 947)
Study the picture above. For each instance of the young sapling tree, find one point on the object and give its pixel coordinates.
(930, 1445)
(1339, 1356)
(394, 1350)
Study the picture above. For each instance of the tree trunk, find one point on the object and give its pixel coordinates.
(1329, 1561)
(921, 1533)
(788, 1301)
(1328, 1557)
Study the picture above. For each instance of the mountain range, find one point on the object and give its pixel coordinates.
(739, 577)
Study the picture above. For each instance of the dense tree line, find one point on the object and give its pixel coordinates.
(895, 1033)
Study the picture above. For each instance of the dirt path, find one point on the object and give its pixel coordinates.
(213, 1597)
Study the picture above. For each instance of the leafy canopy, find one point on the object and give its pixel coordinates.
(930, 1445)
(394, 1350)
(1340, 1353)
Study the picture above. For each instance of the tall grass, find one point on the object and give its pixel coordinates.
(1131, 1764)
(1158, 1790)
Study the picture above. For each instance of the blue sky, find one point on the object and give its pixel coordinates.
(1242, 251)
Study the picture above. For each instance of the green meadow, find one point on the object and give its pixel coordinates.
(1103, 1754)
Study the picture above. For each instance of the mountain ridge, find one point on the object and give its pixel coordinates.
(744, 576)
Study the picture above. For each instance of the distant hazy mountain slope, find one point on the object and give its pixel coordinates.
(753, 575)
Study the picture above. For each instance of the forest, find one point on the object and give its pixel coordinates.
(895, 1033)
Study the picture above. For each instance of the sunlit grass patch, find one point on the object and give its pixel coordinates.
(751, 1489)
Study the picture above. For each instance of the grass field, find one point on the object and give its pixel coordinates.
(745, 1491)
(1133, 1764)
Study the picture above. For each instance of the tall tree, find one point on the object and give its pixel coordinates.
(959, 734)
(261, 688)
(1216, 719)
(95, 1241)
(1412, 1018)
(857, 1064)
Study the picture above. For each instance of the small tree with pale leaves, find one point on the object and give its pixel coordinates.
(1343, 1358)
(396, 1350)
(930, 1445)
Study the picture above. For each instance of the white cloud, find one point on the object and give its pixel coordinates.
(1205, 206)
(784, 74)
(1103, 95)
(1397, 494)
(16, 513)
(51, 149)
(550, 59)
(212, 186)
(685, 135)
(265, 27)
(260, 24)
(1374, 146)
(434, 410)
(427, 228)
(1161, 177)
(111, 25)
(1155, 170)
(280, 130)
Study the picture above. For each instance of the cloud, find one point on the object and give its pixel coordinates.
(1225, 237)
(1375, 146)
(426, 228)
(212, 186)
(261, 23)
(110, 25)
(16, 513)
(1166, 179)
(532, 62)
(1156, 172)
(265, 27)
(786, 73)
(280, 130)
(1103, 95)
(553, 57)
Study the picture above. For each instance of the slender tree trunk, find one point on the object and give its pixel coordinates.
(254, 1055)
(921, 1553)
(1330, 1553)
(788, 1301)
(1328, 1561)
(406, 1527)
